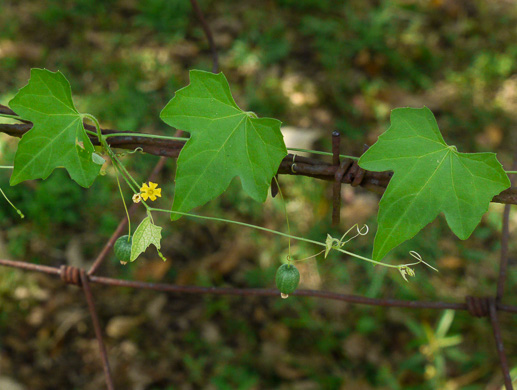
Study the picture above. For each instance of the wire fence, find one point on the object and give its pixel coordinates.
(340, 171)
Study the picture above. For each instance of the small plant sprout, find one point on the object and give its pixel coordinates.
(151, 191)
(125, 153)
(334, 243)
(405, 270)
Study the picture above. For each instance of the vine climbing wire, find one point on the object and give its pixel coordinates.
(348, 170)
(476, 306)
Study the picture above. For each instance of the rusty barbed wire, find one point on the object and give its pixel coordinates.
(291, 165)
(346, 171)
(476, 306)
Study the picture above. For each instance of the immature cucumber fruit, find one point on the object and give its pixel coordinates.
(287, 279)
(122, 248)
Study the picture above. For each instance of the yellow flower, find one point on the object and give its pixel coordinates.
(150, 191)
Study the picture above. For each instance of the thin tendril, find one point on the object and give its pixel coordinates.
(137, 149)
(112, 155)
(275, 232)
(359, 233)
(309, 257)
(417, 256)
(125, 206)
(12, 205)
(286, 218)
(118, 165)
(125, 134)
(145, 136)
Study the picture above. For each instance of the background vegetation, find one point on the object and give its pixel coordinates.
(317, 65)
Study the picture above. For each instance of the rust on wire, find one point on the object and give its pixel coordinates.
(343, 167)
(70, 275)
(30, 267)
(97, 328)
(477, 306)
(258, 292)
(499, 344)
(346, 172)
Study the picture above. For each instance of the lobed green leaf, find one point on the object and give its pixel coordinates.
(225, 142)
(58, 138)
(429, 178)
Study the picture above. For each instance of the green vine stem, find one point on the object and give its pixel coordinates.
(124, 203)
(123, 169)
(285, 235)
(98, 128)
(309, 257)
(130, 181)
(286, 218)
(106, 147)
(145, 136)
(15, 117)
(99, 134)
(6, 167)
(92, 133)
(12, 205)
(186, 139)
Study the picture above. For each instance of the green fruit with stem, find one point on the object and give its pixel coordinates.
(287, 279)
(122, 248)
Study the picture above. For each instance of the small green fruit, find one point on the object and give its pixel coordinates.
(122, 248)
(287, 279)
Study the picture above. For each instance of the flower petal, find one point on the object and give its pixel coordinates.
(152, 185)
